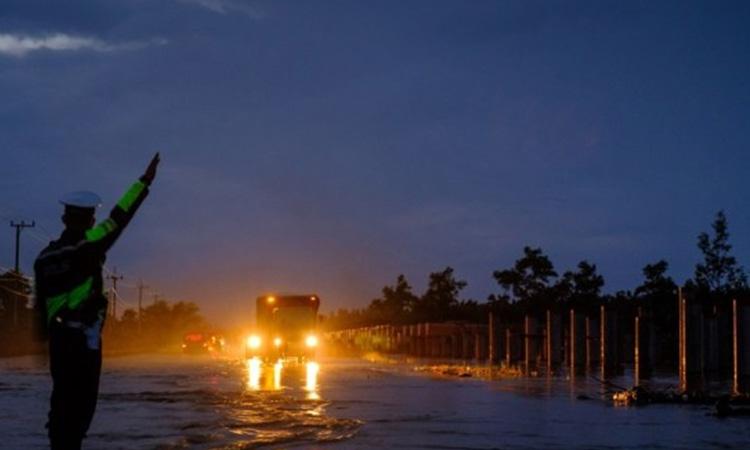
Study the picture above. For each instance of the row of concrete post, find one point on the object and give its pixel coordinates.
(552, 343)
(445, 340)
(714, 343)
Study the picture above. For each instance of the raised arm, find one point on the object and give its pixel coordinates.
(102, 236)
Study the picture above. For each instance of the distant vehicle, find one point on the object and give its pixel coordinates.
(287, 327)
(199, 342)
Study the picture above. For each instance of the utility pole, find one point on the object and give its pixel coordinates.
(20, 226)
(114, 278)
(141, 287)
(17, 272)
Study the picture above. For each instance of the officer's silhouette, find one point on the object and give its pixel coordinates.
(71, 306)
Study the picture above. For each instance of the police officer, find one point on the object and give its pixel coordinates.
(71, 306)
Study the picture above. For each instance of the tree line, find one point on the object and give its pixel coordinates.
(160, 325)
(533, 285)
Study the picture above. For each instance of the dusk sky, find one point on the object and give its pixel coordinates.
(327, 146)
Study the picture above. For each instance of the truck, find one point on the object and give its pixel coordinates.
(286, 328)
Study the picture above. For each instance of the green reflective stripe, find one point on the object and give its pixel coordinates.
(72, 298)
(101, 230)
(79, 294)
(54, 304)
(127, 200)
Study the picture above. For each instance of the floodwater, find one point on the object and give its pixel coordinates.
(188, 402)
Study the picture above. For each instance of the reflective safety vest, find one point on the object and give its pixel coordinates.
(68, 272)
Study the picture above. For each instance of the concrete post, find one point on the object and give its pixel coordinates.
(642, 347)
(608, 343)
(492, 341)
(465, 346)
(577, 346)
(740, 348)
(548, 342)
(637, 351)
(411, 340)
(711, 347)
(587, 343)
(604, 357)
(690, 347)
(508, 348)
(529, 344)
(592, 342)
(572, 342)
(421, 340)
(552, 342)
(681, 338)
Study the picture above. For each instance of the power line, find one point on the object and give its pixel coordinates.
(120, 299)
(114, 278)
(39, 237)
(45, 232)
(141, 287)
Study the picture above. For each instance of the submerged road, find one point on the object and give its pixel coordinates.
(183, 402)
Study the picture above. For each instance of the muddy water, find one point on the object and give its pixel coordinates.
(176, 402)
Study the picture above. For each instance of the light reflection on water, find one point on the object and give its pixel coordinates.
(277, 375)
(179, 402)
(282, 403)
(311, 380)
(253, 374)
(263, 377)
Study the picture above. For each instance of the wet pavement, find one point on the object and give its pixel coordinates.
(184, 402)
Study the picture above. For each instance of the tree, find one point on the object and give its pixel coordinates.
(582, 288)
(129, 319)
(398, 301)
(655, 283)
(395, 307)
(719, 272)
(528, 282)
(470, 311)
(164, 323)
(658, 295)
(441, 297)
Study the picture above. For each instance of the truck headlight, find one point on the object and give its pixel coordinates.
(253, 342)
(311, 341)
(277, 342)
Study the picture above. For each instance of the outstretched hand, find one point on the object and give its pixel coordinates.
(150, 173)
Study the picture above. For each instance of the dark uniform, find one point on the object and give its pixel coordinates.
(71, 307)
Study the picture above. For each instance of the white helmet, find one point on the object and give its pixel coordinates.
(81, 199)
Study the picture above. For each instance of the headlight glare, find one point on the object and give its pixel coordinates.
(253, 342)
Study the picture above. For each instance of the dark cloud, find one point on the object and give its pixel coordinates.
(330, 146)
(75, 16)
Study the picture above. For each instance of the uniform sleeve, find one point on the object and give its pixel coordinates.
(101, 237)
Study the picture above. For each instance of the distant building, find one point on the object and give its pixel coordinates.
(16, 314)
